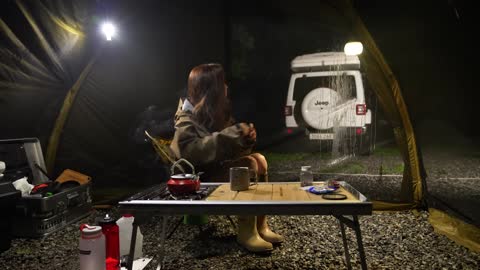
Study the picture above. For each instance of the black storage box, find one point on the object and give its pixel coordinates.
(37, 215)
(8, 198)
(40, 216)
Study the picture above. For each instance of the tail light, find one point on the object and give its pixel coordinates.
(360, 130)
(361, 109)
(288, 110)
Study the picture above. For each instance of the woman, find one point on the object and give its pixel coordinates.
(206, 136)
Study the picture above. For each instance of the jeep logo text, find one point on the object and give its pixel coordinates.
(321, 103)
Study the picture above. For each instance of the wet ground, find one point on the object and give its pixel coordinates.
(453, 172)
(392, 240)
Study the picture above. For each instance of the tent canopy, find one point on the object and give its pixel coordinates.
(61, 82)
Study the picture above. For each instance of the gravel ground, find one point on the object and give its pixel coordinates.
(392, 240)
(453, 174)
(397, 240)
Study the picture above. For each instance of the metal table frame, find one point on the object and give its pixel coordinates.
(142, 209)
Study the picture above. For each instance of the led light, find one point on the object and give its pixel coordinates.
(353, 48)
(361, 109)
(109, 30)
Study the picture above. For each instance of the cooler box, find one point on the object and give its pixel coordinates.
(8, 198)
(37, 215)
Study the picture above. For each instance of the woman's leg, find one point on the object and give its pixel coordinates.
(247, 234)
(261, 162)
(253, 232)
(262, 225)
(260, 237)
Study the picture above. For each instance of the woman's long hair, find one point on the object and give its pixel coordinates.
(206, 92)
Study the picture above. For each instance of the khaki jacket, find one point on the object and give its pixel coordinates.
(195, 143)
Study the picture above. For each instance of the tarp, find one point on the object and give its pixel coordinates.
(388, 91)
(83, 97)
(462, 233)
(79, 94)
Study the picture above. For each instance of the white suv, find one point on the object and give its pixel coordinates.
(326, 98)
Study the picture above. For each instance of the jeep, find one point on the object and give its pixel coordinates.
(326, 99)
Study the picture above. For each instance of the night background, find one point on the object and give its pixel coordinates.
(51, 48)
(136, 80)
(428, 46)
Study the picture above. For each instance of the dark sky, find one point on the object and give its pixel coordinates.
(428, 45)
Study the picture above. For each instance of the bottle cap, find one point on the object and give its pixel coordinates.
(87, 229)
(106, 220)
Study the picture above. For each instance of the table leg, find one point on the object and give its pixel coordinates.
(175, 228)
(139, 219)
(360, 243)
(345, 245)
(161, 256)
(133, 241)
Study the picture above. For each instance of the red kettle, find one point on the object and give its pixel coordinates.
(184, 183)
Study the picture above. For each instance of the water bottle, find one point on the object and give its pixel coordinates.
(125, 225)
(92, 248)
(306, 176)
(112, 245)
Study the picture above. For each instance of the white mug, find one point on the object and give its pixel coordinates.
(239, 178)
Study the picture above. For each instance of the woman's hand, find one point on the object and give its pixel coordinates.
(248, 131)
(252, 134)
(244, 129)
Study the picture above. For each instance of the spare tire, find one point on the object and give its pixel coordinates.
(318, 108)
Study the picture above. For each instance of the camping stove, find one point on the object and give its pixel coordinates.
(161, 193)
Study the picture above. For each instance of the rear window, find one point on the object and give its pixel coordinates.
(344, 85)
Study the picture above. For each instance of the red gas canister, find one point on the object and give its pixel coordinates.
(112, 242)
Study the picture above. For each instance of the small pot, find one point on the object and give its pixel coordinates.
(184, 183)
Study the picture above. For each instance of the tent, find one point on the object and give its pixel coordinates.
(81, 96)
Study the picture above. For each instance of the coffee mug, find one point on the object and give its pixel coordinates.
(239, 178)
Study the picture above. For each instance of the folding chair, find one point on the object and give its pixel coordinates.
(162, 147)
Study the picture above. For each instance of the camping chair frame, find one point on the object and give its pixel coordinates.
(162, 148)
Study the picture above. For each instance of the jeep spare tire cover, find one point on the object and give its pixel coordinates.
(318, 108)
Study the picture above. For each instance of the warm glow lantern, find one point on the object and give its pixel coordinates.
(353, 48)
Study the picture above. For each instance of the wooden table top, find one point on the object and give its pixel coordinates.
(275, 192)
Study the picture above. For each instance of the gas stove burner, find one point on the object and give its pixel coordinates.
(160, 192)
(198, 195)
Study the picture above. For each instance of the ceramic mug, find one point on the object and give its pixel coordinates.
(239, 178)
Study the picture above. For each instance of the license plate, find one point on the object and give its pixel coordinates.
(321, 136)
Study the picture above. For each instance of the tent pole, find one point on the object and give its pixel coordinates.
(413, 185)
(54, 139)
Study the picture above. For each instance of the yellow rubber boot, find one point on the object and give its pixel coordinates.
(248, 235)
(265, 232)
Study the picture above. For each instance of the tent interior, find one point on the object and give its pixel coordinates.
(89, 100)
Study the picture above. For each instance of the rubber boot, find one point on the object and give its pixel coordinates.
(265, 232)
(248, 235)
